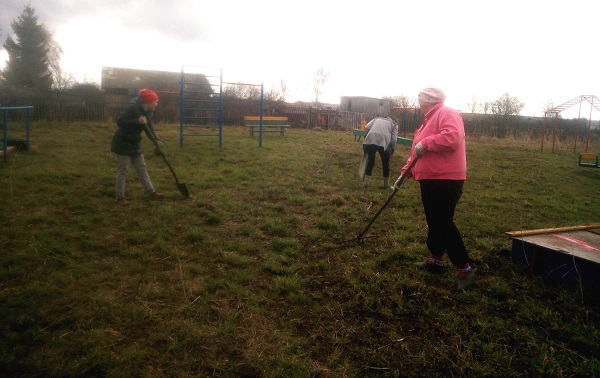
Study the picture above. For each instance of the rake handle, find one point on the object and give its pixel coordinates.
(160, 151)
(361, 236)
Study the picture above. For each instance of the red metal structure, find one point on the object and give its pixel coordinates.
(554, 112)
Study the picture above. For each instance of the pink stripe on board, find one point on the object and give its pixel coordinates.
(580, 243)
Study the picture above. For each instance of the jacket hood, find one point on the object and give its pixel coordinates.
(140, 104)
(137, 101)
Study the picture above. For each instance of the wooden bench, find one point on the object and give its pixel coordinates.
(589, 160)
(270, 124)
(401, 141)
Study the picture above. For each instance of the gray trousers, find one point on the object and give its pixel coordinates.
(139, 163)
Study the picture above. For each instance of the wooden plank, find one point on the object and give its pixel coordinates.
(588, 156)
(265, 118)
(578, 243)
(9, 149)
(595, 230)
(267, 126)
(266, 123)
(589, 165)
(269, 131)
(515, 234)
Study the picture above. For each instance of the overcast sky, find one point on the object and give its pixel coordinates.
(538, 51)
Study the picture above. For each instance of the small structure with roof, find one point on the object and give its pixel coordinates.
(120, 84)
(361, 104)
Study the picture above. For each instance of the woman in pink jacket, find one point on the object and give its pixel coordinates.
(441, 170)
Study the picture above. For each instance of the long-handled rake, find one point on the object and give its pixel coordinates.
(181, 186)
(361, 237)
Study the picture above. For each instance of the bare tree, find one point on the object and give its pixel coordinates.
(241, 97)
(403, 101)
(272, 94)
(284, 91)
(474, 105)
(505, 109)
(486, 107)
(506, 105)
(275, 99)
(277, 94)
(54, 54)
(87, 88)
(320, 79)
(242, 91)
(549, 105)
(63, 80)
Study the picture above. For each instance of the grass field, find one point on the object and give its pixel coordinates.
(250, 277)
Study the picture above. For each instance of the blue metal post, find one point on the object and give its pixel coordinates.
(221, 108)
(27, 125)
(404, 121)
(181, 110)
(260, 129)
(415, 121)
(4, 127)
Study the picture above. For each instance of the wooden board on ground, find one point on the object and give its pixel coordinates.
(9, 149)
(569, 255)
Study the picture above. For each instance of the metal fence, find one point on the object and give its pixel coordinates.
(102, 107)
(105, 107)
(69, 107)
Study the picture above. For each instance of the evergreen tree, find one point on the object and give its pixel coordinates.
(28, 64)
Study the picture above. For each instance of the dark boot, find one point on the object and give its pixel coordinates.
(157, 195)
(123, 202)
(386, 183)
(429, 266)
(366, 182)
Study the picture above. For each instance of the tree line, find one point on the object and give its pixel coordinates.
(504, 105)
(34, 59)
(34, 63)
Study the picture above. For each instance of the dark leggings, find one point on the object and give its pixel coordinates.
(370, 150)
(440, 198)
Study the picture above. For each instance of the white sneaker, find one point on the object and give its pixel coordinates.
(465, 281)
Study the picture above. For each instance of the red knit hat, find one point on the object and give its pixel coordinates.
(148, 96)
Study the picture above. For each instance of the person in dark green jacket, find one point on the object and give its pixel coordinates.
(126, 142)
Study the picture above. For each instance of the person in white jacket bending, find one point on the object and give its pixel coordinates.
(380, 136)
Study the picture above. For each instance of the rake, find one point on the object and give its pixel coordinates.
(360, 239)
(181, 186)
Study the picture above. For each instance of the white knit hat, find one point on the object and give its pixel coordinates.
(431, 95)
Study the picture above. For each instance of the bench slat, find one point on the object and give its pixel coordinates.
(275, 124)
(266, 123)
(271, 124)
(265, 118)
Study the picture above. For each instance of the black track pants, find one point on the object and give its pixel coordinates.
(370, 150)
(439, 201)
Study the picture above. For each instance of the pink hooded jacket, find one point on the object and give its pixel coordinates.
(443, 136)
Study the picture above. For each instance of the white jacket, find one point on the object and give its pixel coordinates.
(381, 131)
